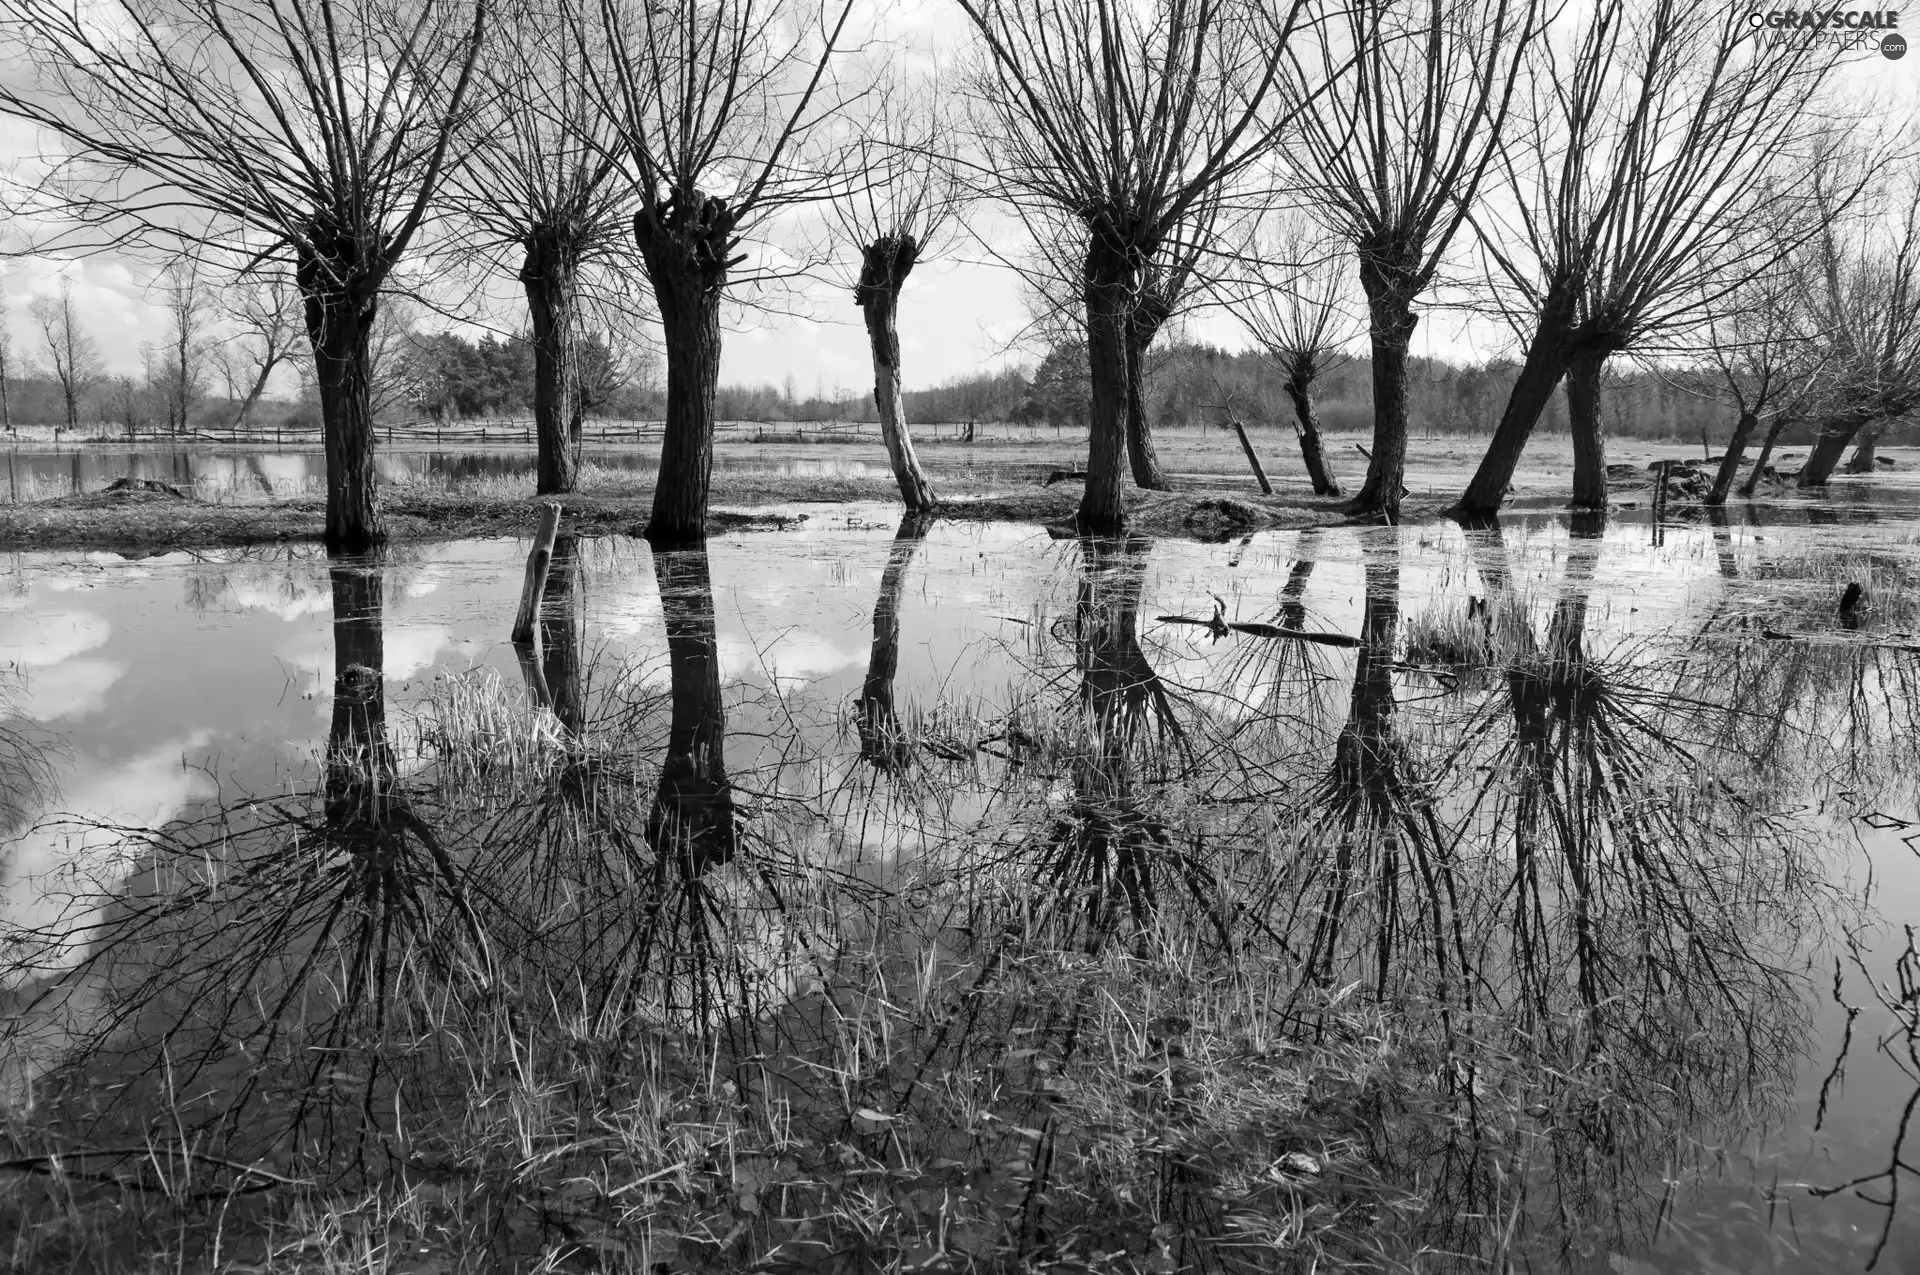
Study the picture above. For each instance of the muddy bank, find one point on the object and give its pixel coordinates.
(153, 521)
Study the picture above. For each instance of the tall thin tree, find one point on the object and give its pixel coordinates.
(72, 357)
(183, 294)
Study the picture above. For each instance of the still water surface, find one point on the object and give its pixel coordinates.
(1740, 727)
(213, 473)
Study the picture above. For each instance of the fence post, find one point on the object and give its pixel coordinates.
(1266, 488)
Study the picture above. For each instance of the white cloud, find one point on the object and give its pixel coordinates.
(74, 688)
(35, 641)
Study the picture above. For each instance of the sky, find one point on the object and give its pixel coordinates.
(959, 312)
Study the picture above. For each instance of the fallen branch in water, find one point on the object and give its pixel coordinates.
(1775, 635)
(1220, 627)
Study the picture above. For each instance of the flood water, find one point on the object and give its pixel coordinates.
(1585, 818)
(40, 472)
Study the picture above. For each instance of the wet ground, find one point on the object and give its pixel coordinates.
(211, 473)
(1621, 820)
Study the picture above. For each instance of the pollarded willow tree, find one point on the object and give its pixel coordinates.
(1624, 198)
(309, 130)
(1171, 285)
(1125, 117)
(1392, 155)
(1293, 305)
(894, 220)
(1763, 362)
(1863, 289)
(536, 177)
(719, 110)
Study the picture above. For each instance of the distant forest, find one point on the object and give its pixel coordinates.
(451, 377)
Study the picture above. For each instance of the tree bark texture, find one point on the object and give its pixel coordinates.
(1144, 320)
(1390, 293)
(1548, 354)
(1730, 463)
(1862, 460)
(1312, 452)
(691, 824)
(884, 267)
(338, 323)
(1759, 469)
(1108, 289)
(550, 275)
(1829, 445)
(685, 245)
(1589, 437)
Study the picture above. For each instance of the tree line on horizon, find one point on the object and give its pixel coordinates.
(1647, 186)
(445, 376)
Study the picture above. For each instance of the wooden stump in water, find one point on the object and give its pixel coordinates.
(1246, 445)
(526, 623)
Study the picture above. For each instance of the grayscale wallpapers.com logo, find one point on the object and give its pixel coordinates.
(1846, 28)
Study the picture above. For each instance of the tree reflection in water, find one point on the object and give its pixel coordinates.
(1105, 854)
(1630, 917)
(1487, 959)
(883, 744)
(258, 947)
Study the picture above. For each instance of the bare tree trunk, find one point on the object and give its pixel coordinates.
(1766, 453)
(1589, 437)
(1390, 309)
(884, 267)
(691, 823)
(248, 403)
(882, 743)
(1730, 463)
(1300, 390)
(1143, 323)
(1862, 461)
(1108, 280)
(338, 323)
(1829, 445)
(548, 274)
(685, 250)
(1548, 354)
